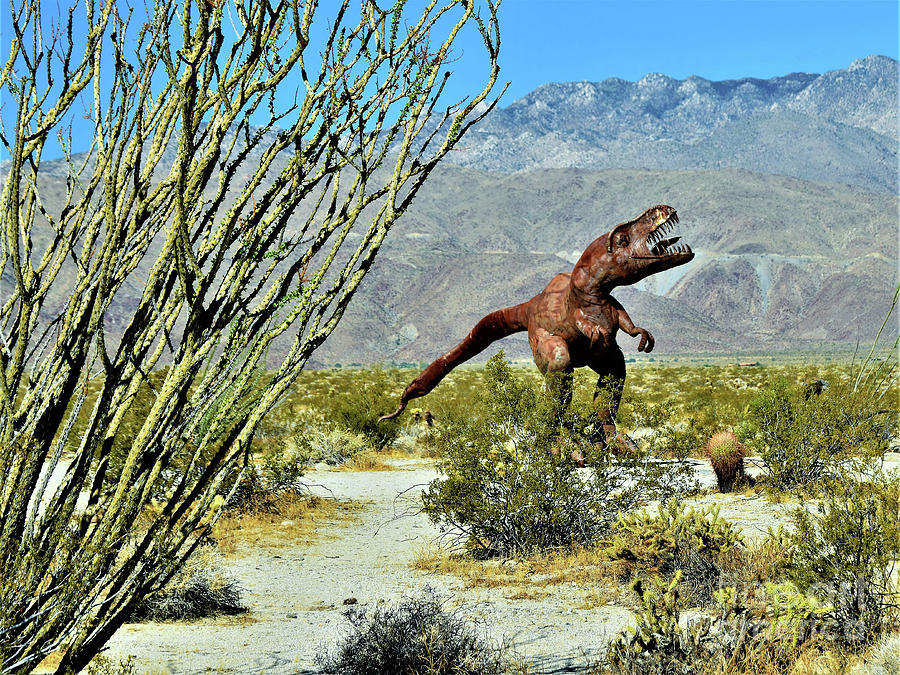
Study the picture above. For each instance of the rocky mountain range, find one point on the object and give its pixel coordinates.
(786, 189)
(836, 127)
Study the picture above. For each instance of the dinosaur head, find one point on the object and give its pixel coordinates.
(632, 251)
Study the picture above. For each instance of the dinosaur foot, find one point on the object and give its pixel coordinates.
(576, 456)
(616, 442)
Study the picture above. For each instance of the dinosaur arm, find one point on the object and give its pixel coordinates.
(626, 324)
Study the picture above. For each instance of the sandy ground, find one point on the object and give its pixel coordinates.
(296, 594)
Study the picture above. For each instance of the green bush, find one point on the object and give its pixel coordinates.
(357, 410)
(805, 437)
(847, 554)
(417, 637)
(283, 465)
(258, 486)
(510, 485)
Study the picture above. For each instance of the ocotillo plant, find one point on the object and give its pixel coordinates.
(243, 162)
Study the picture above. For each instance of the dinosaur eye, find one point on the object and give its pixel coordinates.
(622, 240)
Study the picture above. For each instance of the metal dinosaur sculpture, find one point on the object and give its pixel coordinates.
(573, 322)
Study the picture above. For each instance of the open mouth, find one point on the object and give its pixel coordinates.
(658, 245)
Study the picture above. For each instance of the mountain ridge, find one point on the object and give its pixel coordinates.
(660, 122)
(791, 209)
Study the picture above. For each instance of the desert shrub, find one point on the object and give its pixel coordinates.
(419, 636)
(199, 589)
(688, 542)
(358, 408)
(667, 428)
(804, 438)
(283, 465)
(332, 446)
(509, 482)
(258, 486)
(250, 494)
(847, 554)
(726, 455)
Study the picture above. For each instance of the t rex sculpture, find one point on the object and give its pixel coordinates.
(574, 320)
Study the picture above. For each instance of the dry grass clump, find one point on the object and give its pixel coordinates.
(332, 446)
(297, 519)
(419, 636)
(375, 460)
(367, 461)
(882, 659)
(578, 565)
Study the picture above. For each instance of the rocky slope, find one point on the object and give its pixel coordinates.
(787, 190)
(781, 262)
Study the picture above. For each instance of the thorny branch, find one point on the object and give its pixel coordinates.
(245, 222)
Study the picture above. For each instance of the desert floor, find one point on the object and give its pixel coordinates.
(296, 590)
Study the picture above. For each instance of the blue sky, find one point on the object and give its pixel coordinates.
(573, 40)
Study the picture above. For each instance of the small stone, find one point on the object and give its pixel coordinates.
(349, 601)
(292, 615)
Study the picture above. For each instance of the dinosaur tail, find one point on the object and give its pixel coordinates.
(491, 328)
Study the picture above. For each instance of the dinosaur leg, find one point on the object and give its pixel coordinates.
(551, 354)
(610, 368)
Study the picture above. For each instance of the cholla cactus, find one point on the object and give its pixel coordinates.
(799, 616)
(655, 540)
(658, 644)
(726, 454)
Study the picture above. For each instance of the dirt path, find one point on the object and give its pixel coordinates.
(296, 593)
